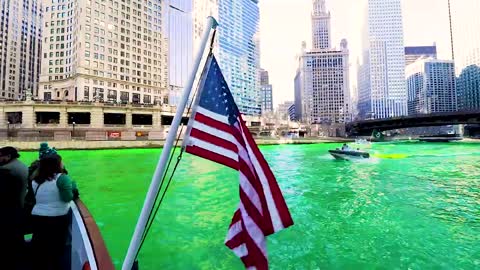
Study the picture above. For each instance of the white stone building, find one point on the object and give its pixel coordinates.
(110, 50)
(322, 93)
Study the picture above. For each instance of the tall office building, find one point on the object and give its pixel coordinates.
(320, 26)
(179, 32)
(431, 86)
(322, 94)
(382, 88)
(413, 53)
(202, 9)
(109, 50)
(239, 51)
(266, 94)
(466, 22)
(20, 47)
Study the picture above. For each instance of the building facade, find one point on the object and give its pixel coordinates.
(322, 93)
(413, 53)
(239, 52)
(431, 86)
(382, 73)
(466, 22)
(179, 32)
(112, 51)
(20, 48)
(291, 113)
(283, 109)
(202, 9)
(266, 94)
(468, 88)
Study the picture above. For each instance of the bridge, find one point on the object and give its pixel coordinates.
(366, 127)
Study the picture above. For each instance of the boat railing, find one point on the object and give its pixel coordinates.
(88, 247)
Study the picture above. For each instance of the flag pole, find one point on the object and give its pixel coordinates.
(160, 169)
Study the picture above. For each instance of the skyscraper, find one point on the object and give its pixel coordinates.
(320, 26)
(20, 47)
(201, 10)
(382, 88)
(239, 51)
(111, 50)
(179, 32)
(466, 22)
(266, 94)
(322, 94)
(431, 86)
(413, 53)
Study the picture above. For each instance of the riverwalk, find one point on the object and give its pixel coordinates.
(112, 144)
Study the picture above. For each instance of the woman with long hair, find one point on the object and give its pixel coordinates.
(53, 191)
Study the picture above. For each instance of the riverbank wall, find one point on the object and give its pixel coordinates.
(82, 144)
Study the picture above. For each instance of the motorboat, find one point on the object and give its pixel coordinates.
(348, 154)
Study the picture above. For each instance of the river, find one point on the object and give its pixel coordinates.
(411, 206)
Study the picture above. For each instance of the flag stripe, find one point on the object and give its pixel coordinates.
(220, 126)
(213, 131)
(208, 137)
(213, 148)
(253, 195)
(209, 114)
(251, 210)
(255, 257)
(201, 152)
(213, 123)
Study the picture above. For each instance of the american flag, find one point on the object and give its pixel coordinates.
(217, 132)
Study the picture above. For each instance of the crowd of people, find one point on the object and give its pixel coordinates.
(35, 200)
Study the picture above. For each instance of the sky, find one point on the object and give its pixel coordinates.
(284, 24)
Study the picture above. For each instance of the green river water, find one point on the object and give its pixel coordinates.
(411, 206)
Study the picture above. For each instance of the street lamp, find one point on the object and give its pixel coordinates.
(8, 129)
(73, 131)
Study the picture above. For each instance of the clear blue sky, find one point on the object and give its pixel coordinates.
(284, 24)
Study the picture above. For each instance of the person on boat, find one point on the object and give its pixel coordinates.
(345, 147)
(43, 151)
(9, 161)
(50, 215)
(11, 234)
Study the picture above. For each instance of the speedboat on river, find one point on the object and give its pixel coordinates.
(348, 154)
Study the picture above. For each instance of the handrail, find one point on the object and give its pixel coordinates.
(102, 257)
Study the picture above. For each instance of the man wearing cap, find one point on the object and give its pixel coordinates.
(9, 161)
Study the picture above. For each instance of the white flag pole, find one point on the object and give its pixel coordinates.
(160, 170)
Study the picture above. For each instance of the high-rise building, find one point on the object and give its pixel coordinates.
(320, 26)
(431, 86)
(468, 88)
(283, 109)
(20, 48)
(202, 9)
(266, 94)
(179, 32)
(112, 50)
(239, 51)
(382, 87)
(413, 53)
(466, 22)
(322, 94)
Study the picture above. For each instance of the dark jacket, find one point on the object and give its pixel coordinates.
(19, 172)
